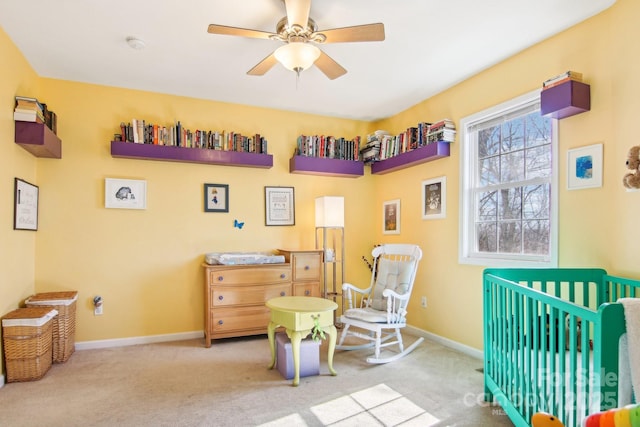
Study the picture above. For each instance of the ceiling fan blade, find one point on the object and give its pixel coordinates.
(298, 12)
(263, 66)
(358, 33)
(242, 32)
(329, 67)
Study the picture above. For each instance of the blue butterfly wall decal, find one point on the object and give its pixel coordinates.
(238, 224)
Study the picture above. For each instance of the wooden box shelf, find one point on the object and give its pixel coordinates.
(130, 150)
(426, 153)
(38, 139)
(565, 100)
(328, 167)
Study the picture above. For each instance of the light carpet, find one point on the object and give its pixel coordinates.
(183, 383)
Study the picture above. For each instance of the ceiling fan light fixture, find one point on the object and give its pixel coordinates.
(297, 56)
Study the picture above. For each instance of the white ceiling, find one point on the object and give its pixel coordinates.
(430, 45)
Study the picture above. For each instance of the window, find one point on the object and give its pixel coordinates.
(508, 186)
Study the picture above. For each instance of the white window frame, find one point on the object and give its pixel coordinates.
(468, 172)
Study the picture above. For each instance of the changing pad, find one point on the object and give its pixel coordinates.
(241, 258)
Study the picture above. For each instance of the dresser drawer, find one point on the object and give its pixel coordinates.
(306, 266)
(306, 289)
(238, 319)
(246, 295)
(250, 275)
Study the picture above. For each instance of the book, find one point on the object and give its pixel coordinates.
(558, 82)
(573, 75)
(30, 116)
(29, 106)
(25, 98)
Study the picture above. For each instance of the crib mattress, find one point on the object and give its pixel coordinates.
(242, 258)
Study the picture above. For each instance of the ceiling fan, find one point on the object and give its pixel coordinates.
(300, 34)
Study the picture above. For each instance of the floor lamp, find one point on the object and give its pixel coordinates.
(330, 238)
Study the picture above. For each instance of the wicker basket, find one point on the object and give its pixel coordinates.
(27, 335)
(64, 326)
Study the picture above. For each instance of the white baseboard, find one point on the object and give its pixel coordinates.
(1, 381)
(470, 351)
(121, 342)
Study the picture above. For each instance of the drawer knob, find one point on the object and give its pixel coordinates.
(306, 267)
(282, 276)
(283, 293)
(220, 322)
(220, 278)
(220, 297)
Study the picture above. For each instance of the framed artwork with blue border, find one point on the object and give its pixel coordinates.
(584, 167)
(216, 198)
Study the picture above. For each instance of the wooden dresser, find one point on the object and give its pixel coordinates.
(235, 295)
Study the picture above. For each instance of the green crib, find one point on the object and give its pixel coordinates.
(551, 341)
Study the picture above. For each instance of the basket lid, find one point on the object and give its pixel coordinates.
(53, 298)
(29, 316)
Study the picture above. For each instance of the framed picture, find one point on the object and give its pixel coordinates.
(216, 198)
(279, 206)
(584, 167)
(434, 198)
(391, 217)
(125, 193)
(25, 208)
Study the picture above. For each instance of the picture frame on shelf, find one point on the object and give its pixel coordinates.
(584, 167)
(216, 197)
(279, 206)
(391, 217)
(125, 193)
(25, 208)
(434, 198)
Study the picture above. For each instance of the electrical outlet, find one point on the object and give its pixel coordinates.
(423, 301)
(97, 311)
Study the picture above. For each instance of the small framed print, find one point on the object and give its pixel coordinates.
(25, 208)
(125, 193)
(216, 198)
(434, 198)
(279, 206)
(584, 168)
(391, 217)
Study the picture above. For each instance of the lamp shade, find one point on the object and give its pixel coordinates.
(330, 211)
(297, 56)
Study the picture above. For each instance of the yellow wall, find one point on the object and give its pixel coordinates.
(596, 226)
(146, 264)
(17, 248)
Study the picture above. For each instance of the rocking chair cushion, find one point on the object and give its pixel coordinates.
(394, 275)
(368, 315)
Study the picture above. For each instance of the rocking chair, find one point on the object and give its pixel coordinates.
(382, 308)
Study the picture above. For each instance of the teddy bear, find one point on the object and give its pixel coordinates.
(632, 180)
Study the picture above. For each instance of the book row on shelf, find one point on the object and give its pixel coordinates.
(381, 145)
(141, 132)
(28, 109)
(328, 147)
(562, 78)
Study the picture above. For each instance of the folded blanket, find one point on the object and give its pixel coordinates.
(632, 319)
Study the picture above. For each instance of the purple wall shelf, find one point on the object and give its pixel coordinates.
(327, 167)
(565, 100)
(130, 150)
(426, 153)
(38, 139)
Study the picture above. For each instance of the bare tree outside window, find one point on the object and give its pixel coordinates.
(509, 194)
